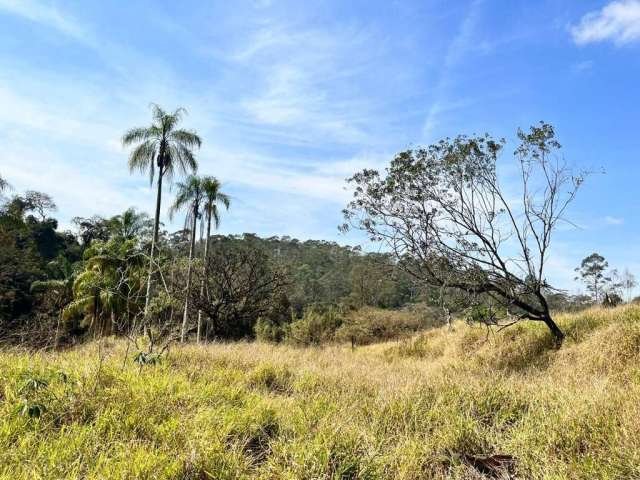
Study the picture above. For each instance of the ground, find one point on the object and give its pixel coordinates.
(457, 404)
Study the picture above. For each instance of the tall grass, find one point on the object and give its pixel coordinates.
(419, 408)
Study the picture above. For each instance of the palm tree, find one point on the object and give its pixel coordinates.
(190, 197)
(168, 148)
(61, 286)
(130, 224)
(4, 185)
(212, 197)
(108, 283)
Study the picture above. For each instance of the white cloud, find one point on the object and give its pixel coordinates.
(77, 189)
(306, 90)
(609, 220)
(44, 14)
(618, 21)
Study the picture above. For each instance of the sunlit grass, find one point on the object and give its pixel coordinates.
(409, 409)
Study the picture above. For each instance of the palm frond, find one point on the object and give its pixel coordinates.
(182, 198)
(186, 138)
(214, 215)
(157, 113)
(169, 121)
(4, 185)
(143, 158)
(40, 286)
(77, 306)
(182, 159)
(224, 199)
(139, 134)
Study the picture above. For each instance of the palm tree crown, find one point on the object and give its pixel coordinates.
(4, 185)
(162, 145)
(190, 195)
(212, 197)
(130, 224)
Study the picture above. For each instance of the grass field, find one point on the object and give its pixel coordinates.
(429, 407)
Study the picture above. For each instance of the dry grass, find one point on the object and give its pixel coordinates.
(419, 408)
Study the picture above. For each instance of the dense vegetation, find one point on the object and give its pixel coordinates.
(445, 404)
(95, 276)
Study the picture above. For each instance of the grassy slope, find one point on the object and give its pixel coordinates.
(394, 410)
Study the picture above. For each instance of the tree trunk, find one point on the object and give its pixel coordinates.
(112, 323)
(56, 340)
(447, 316)
(555, 330)
(204, 273)
(154, 240)
(186, 298)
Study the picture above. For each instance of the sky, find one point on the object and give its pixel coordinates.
(293, 97)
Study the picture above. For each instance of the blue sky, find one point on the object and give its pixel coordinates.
(292, 97)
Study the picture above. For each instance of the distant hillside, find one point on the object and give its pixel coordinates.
(325, 272)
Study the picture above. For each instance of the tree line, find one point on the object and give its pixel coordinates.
(455, 242)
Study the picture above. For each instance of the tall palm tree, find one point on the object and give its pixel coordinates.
(212, 198)
(168, 148)
(190, 196)
(4, 185)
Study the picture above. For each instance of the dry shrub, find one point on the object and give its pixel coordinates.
(369, 325)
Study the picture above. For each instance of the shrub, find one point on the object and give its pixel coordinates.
(370, 325)
(267, 331)
(316, 326)
(277, 379)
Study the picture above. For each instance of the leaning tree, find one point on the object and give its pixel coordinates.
(168, 148)
(446, 213)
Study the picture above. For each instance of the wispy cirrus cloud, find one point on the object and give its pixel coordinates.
(307, 82)
(46, 14)
(457, 48)
(618, 22)
(610, 220)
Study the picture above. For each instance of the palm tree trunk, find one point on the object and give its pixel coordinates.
(186, 298)
(204, 272)
(154, 240)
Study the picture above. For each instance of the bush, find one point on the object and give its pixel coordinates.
(267, 331)
(370, 325)
(316, 326)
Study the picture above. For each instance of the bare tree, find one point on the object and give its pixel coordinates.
(40, 203)
(241, 285)
(628, 283)
(444, 208)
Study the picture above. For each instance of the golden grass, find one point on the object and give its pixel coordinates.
(418, 408)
